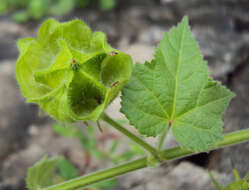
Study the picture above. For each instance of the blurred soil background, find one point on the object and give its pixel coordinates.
(222, 30)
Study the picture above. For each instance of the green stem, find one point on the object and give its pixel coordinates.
(169, 154)
(218, 186)
(162, 139)
(130, 135)
(236, 175)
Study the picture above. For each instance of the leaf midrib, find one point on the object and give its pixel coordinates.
(176, 77)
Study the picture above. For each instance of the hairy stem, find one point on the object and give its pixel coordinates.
(130, 135)
(169, 154)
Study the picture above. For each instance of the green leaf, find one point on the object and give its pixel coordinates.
(37, 9)
(21, 16)
(113, 147)
(175, 90)
(238, 185)
(3, 7)
(67, 169)
(41, 174)
(82, 4)
(236, 175)
(106, 5)
(247, 177)
(61, 7)
(95, 152)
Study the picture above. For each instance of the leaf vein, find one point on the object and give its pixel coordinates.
(146, 113)
(171, 45)
(153, 95)
(196, 107)
(190, 125)
(177, 70)
(165, 63)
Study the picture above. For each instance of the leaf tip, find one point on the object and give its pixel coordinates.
(185, 19)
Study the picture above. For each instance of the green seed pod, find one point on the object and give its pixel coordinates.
(72, 73)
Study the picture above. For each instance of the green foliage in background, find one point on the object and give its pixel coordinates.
(238, 184)
(90, 143)
(50, 171)
(24, 10)
(41, 174)
(74, 74)
(66, 169)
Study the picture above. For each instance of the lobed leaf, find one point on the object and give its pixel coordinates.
(174, 90)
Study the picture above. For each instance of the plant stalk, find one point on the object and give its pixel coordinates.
(162, 138)
(169, 154)
(130, 135)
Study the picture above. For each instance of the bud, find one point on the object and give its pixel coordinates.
(72, 73)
